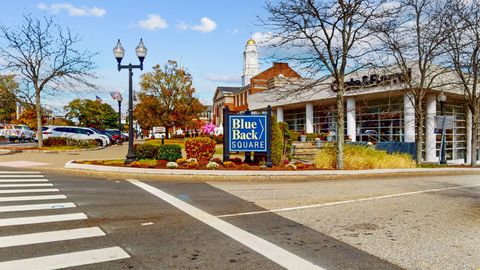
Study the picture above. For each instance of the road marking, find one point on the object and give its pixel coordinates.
(31, 207)
(67, 259)
(32, 198)
(22, 180)
(344, 202)
(26, 185)
(275, 253)
(51, 236)
(40, 219)
(10, 191)
(21, 176)
(18, 172)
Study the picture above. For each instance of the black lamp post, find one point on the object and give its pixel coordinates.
(119, 52)
(442, 98)
(119, 100)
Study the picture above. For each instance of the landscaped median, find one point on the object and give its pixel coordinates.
(167, 160)
(56, 144)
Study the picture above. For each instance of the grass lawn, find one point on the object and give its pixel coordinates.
(180, 142)
(61, 148)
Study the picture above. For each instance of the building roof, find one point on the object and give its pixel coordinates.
(232, 90)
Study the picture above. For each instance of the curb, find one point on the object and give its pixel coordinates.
(235, 173)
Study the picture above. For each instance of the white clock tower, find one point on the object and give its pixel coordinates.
(251, 66)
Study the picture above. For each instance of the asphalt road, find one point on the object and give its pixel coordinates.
(156, 225)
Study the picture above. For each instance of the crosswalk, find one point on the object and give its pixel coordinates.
(28, 202)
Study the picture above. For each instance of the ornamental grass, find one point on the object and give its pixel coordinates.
(358, 157)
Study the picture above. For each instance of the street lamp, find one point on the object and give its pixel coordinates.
(118, 97)
(442, 98)
(119, 52)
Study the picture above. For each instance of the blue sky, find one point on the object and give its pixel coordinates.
(208, 37)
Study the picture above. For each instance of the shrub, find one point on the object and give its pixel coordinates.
(311, 136)
(172, 165)
(300, 166)
(245, 166)
(81, 143)
(263, 167)
(294, 136)
(359, 157)
(162, 163)
(212, 165)
(146, 151)
(201, 148)
(55, 141)
(181, 161)
(287, 139)
(216, 160)
(290, 167)
(228, 164)
(170, 152)
(192, 160)
(193, 165)
(218, 139)
(277, 142)
(236, 160)
(146, 163)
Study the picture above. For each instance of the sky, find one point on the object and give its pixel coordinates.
(208, 37)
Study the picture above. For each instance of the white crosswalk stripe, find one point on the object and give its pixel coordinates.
(32, 198)
(15, 182)
(25, 185)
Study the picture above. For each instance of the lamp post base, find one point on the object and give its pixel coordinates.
(131, 157)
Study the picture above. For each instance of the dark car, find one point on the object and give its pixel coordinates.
(116, 135)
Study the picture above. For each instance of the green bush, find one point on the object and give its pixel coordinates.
(287, 139)
(81, 143)
(62, 141)
(357, 157)
(55, 141)
(312, 136)
(201, 148)
(170, 152)
(146, 151)
(295, 136)
(277, 142)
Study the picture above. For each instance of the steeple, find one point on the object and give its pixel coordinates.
(251, 66)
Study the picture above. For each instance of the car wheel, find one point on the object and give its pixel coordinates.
(99, 143)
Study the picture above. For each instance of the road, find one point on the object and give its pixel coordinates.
(87, 223)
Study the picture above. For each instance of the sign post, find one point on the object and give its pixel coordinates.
(226, 133)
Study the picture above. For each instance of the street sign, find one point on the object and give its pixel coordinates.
(247, 133)
(159, 129)
(444, 122)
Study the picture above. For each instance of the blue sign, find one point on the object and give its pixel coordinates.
(247, 133)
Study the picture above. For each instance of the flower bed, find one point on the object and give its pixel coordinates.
(193, 164)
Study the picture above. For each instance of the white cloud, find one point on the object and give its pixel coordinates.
(154, 22)
(72, 10)
(229, 78)
(206, 25)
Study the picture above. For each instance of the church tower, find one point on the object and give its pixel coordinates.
(251, 66)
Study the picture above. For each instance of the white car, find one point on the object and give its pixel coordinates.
(18, 132)
(78, 133)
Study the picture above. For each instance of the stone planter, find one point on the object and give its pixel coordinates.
(303, 138)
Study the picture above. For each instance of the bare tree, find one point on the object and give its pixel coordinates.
(463, 47)
(412, 40)
(45, 57)
(327, 38)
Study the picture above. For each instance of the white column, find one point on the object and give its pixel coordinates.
(469, 136)
(430, 137)
(408, 118)
(351, 119)
(309, 118)
(279, 114)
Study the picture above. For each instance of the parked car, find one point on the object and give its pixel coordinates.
(78, 133)
(117, 136)
(105, 133)
(18, 132)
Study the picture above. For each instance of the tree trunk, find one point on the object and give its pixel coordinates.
(475, 116)
(167, 133)
(38, 107)
(340, 132)
(419, 129)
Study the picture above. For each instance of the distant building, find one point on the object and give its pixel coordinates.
(253, 81)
